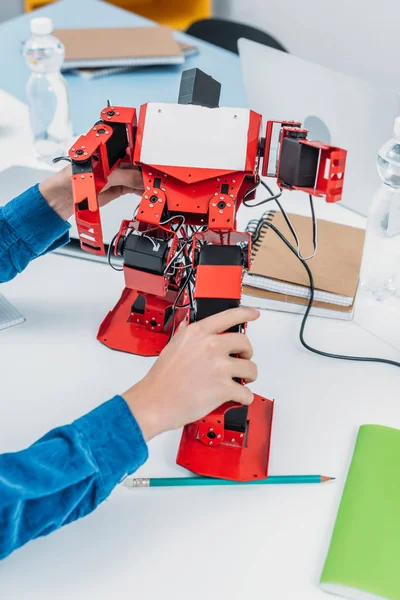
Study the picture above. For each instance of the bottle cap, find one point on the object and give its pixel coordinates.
(42, 26)
(397, 128)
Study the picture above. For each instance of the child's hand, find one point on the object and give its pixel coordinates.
(125, 179)
(57, 189)
(194, 374)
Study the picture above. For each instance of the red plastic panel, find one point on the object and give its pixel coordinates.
(146, 282)
(88, 220)
(219, 281)
(229, 460)
(120, 331)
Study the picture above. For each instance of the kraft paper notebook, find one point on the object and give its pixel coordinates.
(119, 47)
(363, 560)
(97, 73)
(276, 274)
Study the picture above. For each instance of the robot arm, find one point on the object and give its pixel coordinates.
(302, 164)
(93, 157)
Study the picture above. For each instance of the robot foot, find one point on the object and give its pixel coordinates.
(122, 331)
(239, 457)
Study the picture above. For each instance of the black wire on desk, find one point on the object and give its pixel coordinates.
(306, 314)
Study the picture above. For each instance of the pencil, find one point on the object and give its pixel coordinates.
(145, 482)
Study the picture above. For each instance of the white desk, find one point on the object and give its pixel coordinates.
(197, 543)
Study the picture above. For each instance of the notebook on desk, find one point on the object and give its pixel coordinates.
(278, 280)
(363, 558)
(119, 47)
(97, 73)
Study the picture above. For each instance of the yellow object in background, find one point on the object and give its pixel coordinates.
(34, 4)
(178, 14)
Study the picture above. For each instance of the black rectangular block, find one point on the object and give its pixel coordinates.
(199, 88)
(145, 254)
(298, 163)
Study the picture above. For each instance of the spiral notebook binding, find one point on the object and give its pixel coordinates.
(258, 230)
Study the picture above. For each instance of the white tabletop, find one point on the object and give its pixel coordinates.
(231, 543)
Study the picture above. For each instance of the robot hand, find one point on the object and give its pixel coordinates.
(94, 156)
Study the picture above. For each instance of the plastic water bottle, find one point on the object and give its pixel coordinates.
(47, 91)
(380, 272)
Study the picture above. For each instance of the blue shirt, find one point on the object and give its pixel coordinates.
(68, 472)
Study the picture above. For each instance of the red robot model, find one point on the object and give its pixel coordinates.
(182, 255)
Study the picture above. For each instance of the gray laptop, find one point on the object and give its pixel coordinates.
(337, 109)
(15, 180)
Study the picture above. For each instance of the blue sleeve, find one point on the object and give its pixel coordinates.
(29, 227)
(67, 473)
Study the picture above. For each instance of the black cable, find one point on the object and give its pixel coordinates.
(185, 244)
(182, 288)
(59, 158)
(174, 306)
(259, 225)
(172, 219)
(292, 229)
(251, 190)
(271, 193)
(190, 293)
(176, 256)
(287, 220)
(314, 223)
(306, 314)
(110, 247)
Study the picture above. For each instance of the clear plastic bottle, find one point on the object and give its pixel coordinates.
(47, 91)
(380, 271)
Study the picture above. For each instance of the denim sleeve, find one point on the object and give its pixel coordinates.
(29, 227)
(67, 473)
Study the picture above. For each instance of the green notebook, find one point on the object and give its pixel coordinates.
(363, 560)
